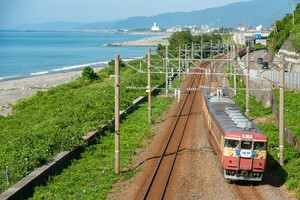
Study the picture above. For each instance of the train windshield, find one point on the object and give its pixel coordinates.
(260, 145)
(246, 144)
(231, 143)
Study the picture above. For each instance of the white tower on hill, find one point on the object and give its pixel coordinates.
(155, 28)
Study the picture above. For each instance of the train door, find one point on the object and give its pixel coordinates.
(245, 158)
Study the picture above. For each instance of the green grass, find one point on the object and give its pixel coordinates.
(291, 111)
(289, 173)
(92, 176)
(55, 120)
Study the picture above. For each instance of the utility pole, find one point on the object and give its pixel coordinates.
(192, 53)
(179, 63)
(211, 55)
(293, 13)
(247, 81)
(281, 110)
(167, 68)
(149, 86)
(201, 47)
(234, 68)
(117, 114)
(185, 58)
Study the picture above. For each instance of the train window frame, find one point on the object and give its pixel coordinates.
(262, 148)
(244, 141)
(227, 145)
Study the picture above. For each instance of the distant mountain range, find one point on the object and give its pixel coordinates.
(251, 14)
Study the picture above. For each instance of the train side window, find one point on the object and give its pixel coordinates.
(246, 145)
(260, 145)
(231, 143)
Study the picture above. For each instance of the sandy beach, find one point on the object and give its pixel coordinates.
(152, 41)
(13, 90)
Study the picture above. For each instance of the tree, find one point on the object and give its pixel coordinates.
(181, 38)
(296, 43)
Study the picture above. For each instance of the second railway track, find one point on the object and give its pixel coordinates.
(161, 176)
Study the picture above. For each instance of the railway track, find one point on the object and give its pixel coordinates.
(160, 182)
(162, 174)
(246, 192)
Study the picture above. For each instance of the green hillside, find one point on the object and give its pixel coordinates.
(283, 29)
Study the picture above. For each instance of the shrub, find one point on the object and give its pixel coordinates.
(89, 73)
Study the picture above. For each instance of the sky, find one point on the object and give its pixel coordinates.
(16, 12)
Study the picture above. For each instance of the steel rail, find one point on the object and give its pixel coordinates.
(165, 148)
(178, 146)
(254, 193)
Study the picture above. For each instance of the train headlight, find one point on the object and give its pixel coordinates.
(230, 153)
(261, 156)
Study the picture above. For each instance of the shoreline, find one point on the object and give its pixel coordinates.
(15, 88)
(146, 42)
(56, 71)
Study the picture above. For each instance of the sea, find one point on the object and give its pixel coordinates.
(30, 53)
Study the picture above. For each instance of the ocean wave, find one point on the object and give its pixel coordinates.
(57, 70)
(4, 78)
(73, 67)
(39, 73)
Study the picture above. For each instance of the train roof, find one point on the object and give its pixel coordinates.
(230, 119)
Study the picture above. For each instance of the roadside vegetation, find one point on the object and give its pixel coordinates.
(282, 30)
(289, 173)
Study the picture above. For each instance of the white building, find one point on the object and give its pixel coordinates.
(155, 28)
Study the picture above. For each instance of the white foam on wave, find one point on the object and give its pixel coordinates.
(9, 77)
(39, 73)
(57, 70)
(96, 64)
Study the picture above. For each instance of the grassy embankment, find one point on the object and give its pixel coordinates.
(92, 176)
(289, 173)
(55, 120)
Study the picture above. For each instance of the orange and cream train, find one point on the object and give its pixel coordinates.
(240, 146)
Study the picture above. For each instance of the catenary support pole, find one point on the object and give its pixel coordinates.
(167, 68)
(149, 86)
(235, 64)
(201, 47)
(247, 81)
(179, 63)
(117, 114)
(281, 111)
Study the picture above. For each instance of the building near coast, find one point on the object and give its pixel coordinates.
(155, 27)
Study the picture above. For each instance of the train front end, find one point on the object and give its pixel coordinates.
(244, 156)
